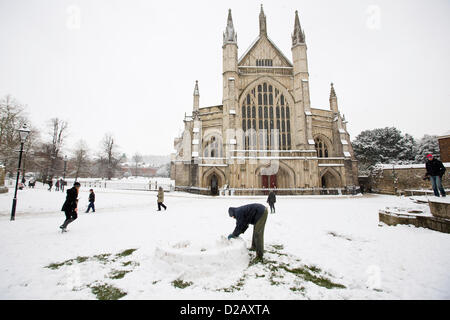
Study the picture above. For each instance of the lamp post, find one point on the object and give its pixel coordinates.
(23, 133)
(64, 175)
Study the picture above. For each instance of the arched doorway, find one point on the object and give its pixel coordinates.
(330, 180)
(214, 185)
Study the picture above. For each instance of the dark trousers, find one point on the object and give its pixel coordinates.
(91, 206)
(272, 207)
(70, 217)
(160, 204)
(258, 235)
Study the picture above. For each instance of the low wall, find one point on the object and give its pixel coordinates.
(399, 178)
(433, 223)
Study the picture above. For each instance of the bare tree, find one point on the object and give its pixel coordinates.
(109, 157)
(57, 133)
(81, 159)
(137, 158)
(12, 117)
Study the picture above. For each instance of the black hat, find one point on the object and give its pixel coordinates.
(76, 184)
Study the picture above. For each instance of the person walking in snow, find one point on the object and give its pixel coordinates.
(70, 206)
(255, 214)
(57, 185)
(161, 199)
(50, 184)
(91, 201)
(435, 171)
(271, 199)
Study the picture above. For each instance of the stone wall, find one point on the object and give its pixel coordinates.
(397, 179)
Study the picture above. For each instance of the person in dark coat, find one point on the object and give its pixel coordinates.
(70, 206)
(255, 214)
(271, 199)
(91, 201)
(57, 185)
(435, 171)
(50, 185)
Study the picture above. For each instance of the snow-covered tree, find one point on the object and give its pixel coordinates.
(383, 145)
(427, 144)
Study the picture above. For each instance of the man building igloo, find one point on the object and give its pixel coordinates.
(264, 135)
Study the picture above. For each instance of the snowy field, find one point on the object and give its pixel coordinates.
(317, 247)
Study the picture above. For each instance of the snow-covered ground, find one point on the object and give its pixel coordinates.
(317, 247)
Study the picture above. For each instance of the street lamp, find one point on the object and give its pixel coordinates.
(64, 174)
(23, 133)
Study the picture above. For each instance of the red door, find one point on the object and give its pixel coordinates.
(269, 181)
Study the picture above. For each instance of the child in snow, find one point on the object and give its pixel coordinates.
(255, 214)
(70, 205)
(161, 199)
(91, 201)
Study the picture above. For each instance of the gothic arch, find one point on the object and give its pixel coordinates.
(269, 80)
(285, 175)
(330, 178)
(266, 114)
(206, 180)
(327, 141)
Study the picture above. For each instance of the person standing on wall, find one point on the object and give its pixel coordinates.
(435, 172)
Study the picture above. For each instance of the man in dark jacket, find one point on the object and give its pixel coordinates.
(91, 201)
(435, 171)
(255, 214)
(271, 199)
(70, 205)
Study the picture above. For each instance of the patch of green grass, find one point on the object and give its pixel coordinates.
(130, 263)
(296, 289)
(278, 246)
(178, 283)
(238, 286)
(314, 268)
(105, 291)
(81, 259)
(126, 253)
(55, 266)
(318, 280)
(118, 274)
(104, 257)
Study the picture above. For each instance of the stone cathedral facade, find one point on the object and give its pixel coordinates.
(265, 134)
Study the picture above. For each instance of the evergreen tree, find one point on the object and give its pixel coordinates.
(427, 144)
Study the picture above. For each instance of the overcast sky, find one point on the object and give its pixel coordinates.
(129, 66)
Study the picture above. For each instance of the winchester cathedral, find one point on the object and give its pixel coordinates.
(265, 134)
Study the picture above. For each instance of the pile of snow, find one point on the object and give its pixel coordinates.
(196, 260)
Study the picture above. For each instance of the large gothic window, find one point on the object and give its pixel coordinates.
(266, 119)
(321, 147)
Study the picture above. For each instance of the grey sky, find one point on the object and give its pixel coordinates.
(131, 66)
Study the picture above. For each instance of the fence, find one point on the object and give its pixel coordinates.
(152, 185)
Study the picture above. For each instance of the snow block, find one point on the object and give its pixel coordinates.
(194, 260)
